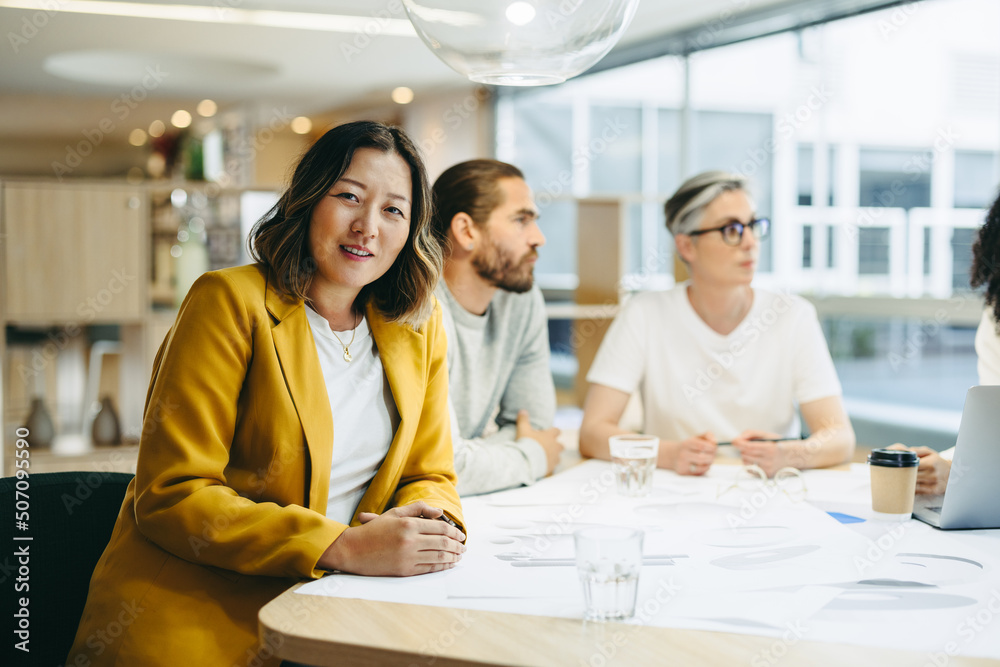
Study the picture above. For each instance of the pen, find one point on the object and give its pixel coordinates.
(762, 440)
(444, 517)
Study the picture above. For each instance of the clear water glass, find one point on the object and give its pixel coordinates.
(633, 459)
(608, 560)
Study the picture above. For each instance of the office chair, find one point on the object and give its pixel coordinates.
(70, 518)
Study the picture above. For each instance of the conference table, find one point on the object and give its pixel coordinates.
(816, 582)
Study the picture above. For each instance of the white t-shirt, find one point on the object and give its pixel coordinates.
(364, 413)
(693, 379)
(988, 349)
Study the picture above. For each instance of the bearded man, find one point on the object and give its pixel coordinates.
(500, 384)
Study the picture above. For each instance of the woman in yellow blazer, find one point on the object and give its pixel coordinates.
(228, 506)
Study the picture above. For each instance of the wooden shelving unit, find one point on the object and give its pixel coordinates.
(86, 260)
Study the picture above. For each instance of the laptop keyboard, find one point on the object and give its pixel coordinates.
(930, 504)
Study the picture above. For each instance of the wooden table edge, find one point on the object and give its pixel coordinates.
(330, 631)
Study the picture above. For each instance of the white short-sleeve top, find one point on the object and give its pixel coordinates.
(693, 379)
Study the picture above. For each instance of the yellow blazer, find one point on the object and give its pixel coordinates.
(227, 508)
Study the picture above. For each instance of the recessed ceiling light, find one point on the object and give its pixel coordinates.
(207, 108)
(181, 118)
(301, 125)
(402, 95)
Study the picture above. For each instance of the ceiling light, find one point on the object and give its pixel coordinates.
(207, 108)
(181, 118)
(223, 13)
(402, 95)
(157, 128)
(301, 125)
(520, 43)
(137, 137)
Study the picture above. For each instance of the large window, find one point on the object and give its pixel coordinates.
(872, 144)
(894, 178)
(615, 142)
(873, 251)
(961, 253)
(549, 168)
(977, 178)
(805, 176)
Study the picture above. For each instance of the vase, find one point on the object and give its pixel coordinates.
(106, 429)
(39, 425)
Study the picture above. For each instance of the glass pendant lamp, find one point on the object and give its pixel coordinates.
(520, 42)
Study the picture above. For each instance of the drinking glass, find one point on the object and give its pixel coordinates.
(633, 459)
(608, 560)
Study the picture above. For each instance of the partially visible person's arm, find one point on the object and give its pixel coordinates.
(932, 475)
(183, 502)
(530, 386)
(429, 472)
(934, 470)
(818, 391)
(402, 541)
(602, 410)
(408, 538)
(525, 446)
(831, 441)
(616, 373)
(506, 459)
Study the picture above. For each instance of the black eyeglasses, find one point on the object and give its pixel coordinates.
(732, 232)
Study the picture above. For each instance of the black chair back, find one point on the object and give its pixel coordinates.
(69, 517)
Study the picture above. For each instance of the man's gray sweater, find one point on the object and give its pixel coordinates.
(498, 364)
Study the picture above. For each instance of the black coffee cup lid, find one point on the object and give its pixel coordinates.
(893, 458)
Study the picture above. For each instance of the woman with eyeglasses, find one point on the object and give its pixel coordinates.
(716, 359)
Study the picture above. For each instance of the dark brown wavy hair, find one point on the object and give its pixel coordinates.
(280, 239)
(986, 259)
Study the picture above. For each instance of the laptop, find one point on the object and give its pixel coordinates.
(972, 497)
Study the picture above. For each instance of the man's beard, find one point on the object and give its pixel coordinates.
(503, 271)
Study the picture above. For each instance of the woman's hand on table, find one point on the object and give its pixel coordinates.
(695, 455)
(767, 455)
(401, 542)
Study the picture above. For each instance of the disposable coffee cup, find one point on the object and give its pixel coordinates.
(894, 482)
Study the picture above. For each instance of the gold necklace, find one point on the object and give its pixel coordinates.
(347, 348)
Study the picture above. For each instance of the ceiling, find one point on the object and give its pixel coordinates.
(145, 68)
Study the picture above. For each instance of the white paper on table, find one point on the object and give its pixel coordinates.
(749, 563)
(426, 589)
(736, 612)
